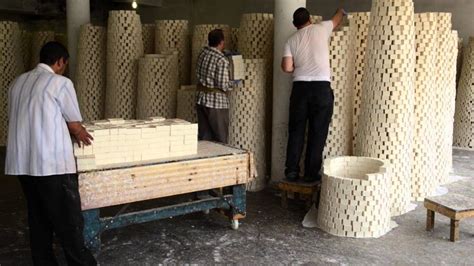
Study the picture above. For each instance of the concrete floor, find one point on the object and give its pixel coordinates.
(269, 235)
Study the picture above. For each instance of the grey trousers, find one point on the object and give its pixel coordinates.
(213, 124)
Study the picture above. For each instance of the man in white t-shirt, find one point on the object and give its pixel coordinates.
(306, 56)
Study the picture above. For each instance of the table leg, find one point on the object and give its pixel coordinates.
(284, 199)
(454, 230)
(92, 229)
(239, 200)
(430, 215)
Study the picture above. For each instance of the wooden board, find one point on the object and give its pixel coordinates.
(457, 204)
(299, 186)
(212, 168)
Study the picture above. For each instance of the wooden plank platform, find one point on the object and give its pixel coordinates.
(309, 191)
(458, 204)
(214, 166)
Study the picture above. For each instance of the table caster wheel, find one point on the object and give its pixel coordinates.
(234, 224)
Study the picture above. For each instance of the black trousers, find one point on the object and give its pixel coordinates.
(312, 103)
(54, 205)
(213, 124)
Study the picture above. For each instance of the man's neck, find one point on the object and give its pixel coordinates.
(304, 26)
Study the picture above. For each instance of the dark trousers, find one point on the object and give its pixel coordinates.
(213, 124)
(312, 103)
(54, 205)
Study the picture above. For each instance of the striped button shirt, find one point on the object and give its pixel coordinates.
(39, 105)
(213, 72)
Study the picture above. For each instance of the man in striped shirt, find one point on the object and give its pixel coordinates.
(213, 84)
(43, 115)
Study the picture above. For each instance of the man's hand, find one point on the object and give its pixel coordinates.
(236, 83)
(79, 133)
(337, 18)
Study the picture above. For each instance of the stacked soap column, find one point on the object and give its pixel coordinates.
(464, 119)
(124, 48)
(200, 40)
(157, 85)
(26, 37)
(235, 38)
(187, 104)
(148, 33)
(445, 102)
(38, 39)
(355, 197)
(11, 65)
(423, 183)
(385, 128)
(119, 141)
(255, 41)
(359, 26)
(173, 35)
(91, 71)
(247, 118)
(339, 141)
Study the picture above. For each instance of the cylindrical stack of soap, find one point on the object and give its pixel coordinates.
(464, 122)
(339, 141)
(38, 39)
(187, 104)
(423, 181)
(124, 47)
(359, 26)
(247, 118)
(148, 32)
(173, 35)
(91, 71)
(157, 85)
(11, 65)
(385, 128)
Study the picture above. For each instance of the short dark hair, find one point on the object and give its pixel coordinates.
(215, 37)
(51, 52)
(300, 17)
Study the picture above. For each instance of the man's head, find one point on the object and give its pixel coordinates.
(55, 55)
(301, 18)
(216, 39)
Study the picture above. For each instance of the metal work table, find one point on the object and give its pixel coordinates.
(214, 166)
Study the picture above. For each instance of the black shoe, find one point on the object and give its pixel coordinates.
(311, 179)
(292, 177)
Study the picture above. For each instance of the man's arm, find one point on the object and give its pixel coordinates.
(337, 18)
(223, 76)
(79, 133)
(287, 64)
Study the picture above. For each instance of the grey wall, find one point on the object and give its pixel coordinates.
(229, 11)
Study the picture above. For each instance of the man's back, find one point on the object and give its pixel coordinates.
(309, 48)
(40, 103)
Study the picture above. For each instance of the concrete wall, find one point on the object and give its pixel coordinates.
(229, 11)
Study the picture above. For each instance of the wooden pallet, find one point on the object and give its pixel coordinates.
(307, 191)
(456, 205)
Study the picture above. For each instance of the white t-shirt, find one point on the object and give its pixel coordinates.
(309, 48)
(40, 103)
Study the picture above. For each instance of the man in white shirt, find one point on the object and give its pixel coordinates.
(43, 115)
(306, 56)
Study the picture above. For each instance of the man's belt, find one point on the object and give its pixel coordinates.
(202, 88)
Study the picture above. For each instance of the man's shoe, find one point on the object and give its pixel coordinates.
(292, 177)
(311, 179)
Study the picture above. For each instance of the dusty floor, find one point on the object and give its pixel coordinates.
(269, 235)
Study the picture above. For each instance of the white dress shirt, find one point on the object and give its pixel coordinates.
(309, 48)
(40, 103)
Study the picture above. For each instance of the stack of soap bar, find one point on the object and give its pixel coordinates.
(119, 141)
(237, 70)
